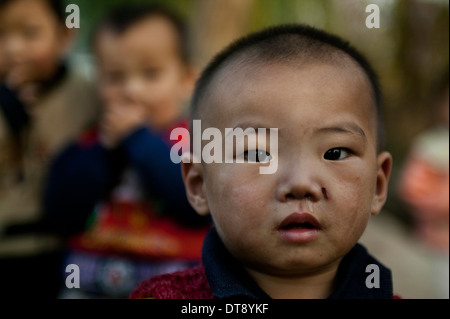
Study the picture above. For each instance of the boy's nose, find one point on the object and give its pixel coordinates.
(301, 180)
(133, 89)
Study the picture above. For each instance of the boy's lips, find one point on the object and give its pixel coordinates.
(299, 228)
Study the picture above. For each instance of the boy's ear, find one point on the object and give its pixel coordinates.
(194, 184)
(384, 162)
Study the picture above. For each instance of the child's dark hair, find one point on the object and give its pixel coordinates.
(122, 17)
(56, 6)
(286, 43)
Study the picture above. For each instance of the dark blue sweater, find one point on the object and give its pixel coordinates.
(85, 173)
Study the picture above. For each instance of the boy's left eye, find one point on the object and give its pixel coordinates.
(257, 156)
(337, 153)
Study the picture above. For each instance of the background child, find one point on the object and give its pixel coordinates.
(424, 187)
(294, 233)
(43, 105)
(121, 172)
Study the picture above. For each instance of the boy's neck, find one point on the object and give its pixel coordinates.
(317, 285)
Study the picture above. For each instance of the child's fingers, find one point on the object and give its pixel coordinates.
(118, 121)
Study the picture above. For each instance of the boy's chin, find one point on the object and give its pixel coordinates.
(297, 268)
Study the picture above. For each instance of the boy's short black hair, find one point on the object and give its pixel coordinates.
(56, 6)
(122, 17)
(283, 43)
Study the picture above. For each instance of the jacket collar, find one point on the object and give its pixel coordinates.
(228, 279)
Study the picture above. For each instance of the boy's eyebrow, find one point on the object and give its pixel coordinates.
(346, 127)
(247, 125)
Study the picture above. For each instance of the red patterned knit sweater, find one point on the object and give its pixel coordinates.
(190, 283)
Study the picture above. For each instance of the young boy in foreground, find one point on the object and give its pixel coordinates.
(294, 233)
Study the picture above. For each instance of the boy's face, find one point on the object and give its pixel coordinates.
(142, 68)
(32, 41)
(328, 167)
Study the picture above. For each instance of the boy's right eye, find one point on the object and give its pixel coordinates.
(257, 156)
(336, 154)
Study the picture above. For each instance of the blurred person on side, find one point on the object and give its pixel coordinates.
(43, 105)
(117, 188)
(2, 66)
(424, 188)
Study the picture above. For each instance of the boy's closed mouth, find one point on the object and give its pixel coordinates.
(299, 228)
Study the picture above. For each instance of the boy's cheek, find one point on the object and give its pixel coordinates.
(348, 222)
(352, 213)
(350, 193)
(356, 196)
(241, 194)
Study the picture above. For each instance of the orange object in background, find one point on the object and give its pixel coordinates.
(132, 230)
(426, 189)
